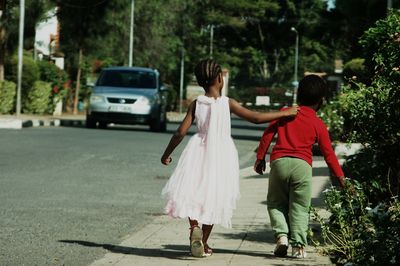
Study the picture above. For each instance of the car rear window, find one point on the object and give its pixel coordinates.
(127, 79)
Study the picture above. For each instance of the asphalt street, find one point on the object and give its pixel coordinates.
(62, 189)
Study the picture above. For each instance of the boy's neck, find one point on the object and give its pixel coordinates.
(315, 107)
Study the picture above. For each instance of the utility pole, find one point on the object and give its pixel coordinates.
(181, 81)
(131, 33)
(211, 40)
(20, 54)
(296, 64)
(389, 5)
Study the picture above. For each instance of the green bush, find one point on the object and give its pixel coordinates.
(332, 116)
(355, 69)
(57, 77)
(364, 228)
(38, 98)
(370, 168)
(7, 96)
(372, 110)
(30, 72)
(357, 232)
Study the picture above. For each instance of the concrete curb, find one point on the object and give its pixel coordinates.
(8, 122)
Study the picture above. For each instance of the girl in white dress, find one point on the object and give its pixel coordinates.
(205, 184)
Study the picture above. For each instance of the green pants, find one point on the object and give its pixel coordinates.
(289, 198)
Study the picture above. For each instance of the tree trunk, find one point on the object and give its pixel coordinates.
(2, 38)
(276, 57)
(264, 68)
(78, 82)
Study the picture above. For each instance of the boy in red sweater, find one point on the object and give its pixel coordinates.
(289, 189)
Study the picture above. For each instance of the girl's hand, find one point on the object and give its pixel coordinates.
(259, 166)
(292, 111)
(166, 160)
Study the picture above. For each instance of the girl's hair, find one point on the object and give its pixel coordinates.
(312, 89)
(206, 71)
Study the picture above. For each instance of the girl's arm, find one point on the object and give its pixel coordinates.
(258, 118)
(179, 134)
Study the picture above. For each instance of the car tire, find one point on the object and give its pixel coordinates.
(103, 125)
(159, 124)
(91, 123)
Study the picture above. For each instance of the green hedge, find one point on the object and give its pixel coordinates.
(30, 72)
(38, 99)
(7, 96)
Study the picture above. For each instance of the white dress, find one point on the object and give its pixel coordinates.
(205, 184)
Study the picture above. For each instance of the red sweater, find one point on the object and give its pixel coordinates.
(296, 137)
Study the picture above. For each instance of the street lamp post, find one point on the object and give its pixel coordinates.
(20, 54)
(296, 64)
(131, 33)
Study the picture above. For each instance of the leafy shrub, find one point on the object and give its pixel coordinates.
(355, 69)
(29, 69)
(7, 96)
(38, 98)
(357, 232)
(372, 110)
(49, 72)
(364, 227)
(370, 168)
(332, 116)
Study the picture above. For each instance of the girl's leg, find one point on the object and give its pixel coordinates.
(196, 236)
(193, 223)
(206, 234)
(299, 204)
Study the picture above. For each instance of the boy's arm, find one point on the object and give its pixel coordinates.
(265, 142)
(258, 118)
(325, 145)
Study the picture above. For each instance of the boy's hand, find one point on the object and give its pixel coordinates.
(259, 166)
(292, 111)
(341, 181)
(166, 160)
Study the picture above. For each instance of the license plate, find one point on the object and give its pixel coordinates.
(120, 109)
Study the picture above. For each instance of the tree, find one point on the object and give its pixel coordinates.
(7, 15)
(35, 11)
(349, 20)
(79, 28)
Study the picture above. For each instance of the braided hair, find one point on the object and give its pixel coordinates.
(206, 71)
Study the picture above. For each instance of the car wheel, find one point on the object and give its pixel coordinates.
(159, 124)
(90, 123)
(103, 125)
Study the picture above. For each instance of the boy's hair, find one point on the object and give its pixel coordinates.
(206, 71)
(312, 89)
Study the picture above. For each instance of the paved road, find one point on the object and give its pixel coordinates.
(59, 186)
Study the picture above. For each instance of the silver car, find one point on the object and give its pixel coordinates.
(128, 95)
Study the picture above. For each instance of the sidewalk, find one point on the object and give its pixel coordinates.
(22, 121)
(250, 241)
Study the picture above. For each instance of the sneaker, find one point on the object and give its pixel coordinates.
(281, 246)
(299, 252)
(196, 243)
